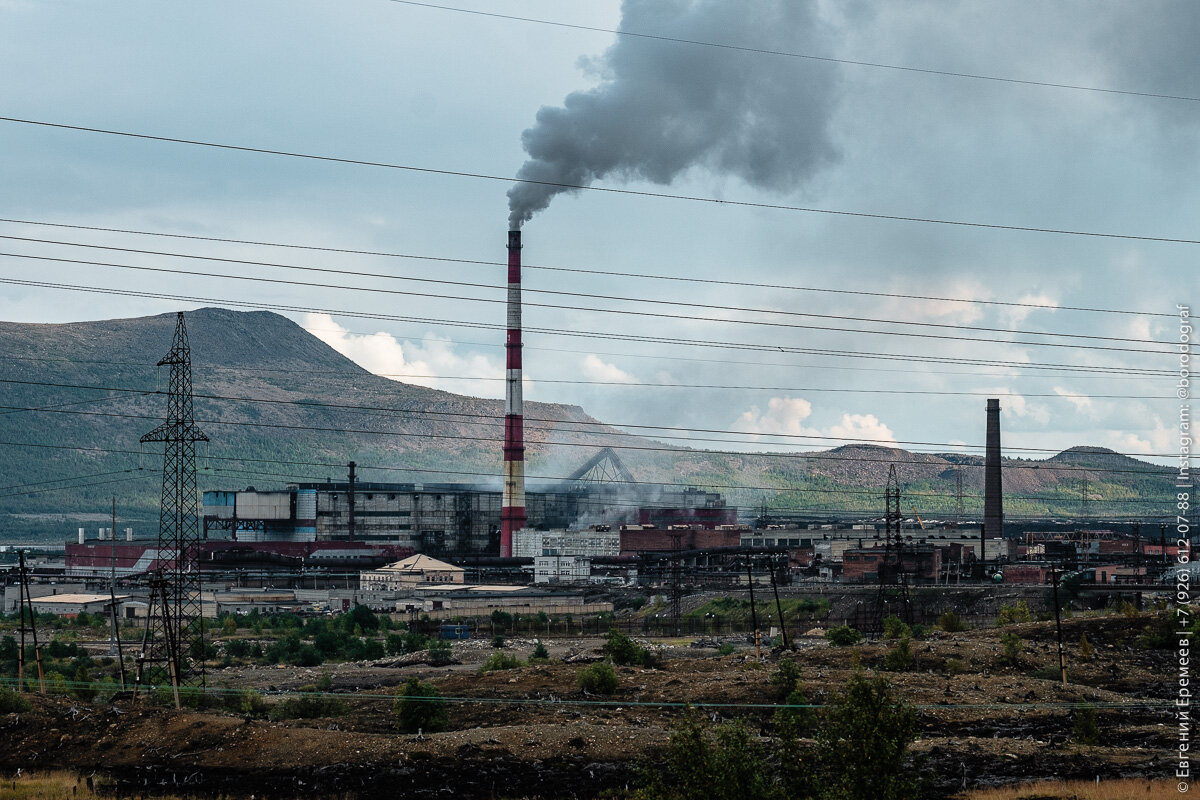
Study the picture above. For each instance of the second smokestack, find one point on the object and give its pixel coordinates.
(993, 491)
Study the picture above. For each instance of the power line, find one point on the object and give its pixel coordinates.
(1106, 373)
(750, 346)
(657, 385)
(679, 451)
(582, 270)
(606, 189)
(526, 290)
(62, 480)
(472, 417)
(789, 54)
(657, 315)
(24, 493)
(477, 418)
(556, 478)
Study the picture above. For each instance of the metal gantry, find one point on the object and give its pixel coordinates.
(891, 567)
(174, 620)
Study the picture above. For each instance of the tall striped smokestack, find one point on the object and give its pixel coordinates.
(993, 493)
(512, 508)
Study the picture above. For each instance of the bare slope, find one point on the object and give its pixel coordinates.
(279, 405)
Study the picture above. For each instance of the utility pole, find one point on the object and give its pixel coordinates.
(958, 498)
(27, 603)
(350, 501)
(112, 593)
(676, 577)
(1062, 665)
(778, 605)
(753, 608)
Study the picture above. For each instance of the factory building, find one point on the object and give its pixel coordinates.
(412, 571)
(434, 519)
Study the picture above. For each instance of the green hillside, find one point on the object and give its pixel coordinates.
(279, 406)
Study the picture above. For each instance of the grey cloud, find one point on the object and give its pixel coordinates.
(662, 107)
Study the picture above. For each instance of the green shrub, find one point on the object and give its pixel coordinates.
(500, 661)
(497, 641)
(726, 764)
(307, 706)
(12, 703)
(1012, 646)
(1010, 615)
(843, 636)
(785, 678)
(439, 652)
(82, 687)
(1159, 633)
(360, 617)
(1084, 729)
(410, 642)
(420, 707)
(862, 745)
(238, 648)
(950, 622)
(623, 651)
(900, 658)
(956, 666)
(1125, 608)
(248, 702)
(598, 678)
(895, 628)
(725, 649)
(1086, 651)
(795, 719)
(540, 653)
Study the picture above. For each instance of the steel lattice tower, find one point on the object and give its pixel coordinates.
(176, 587)
(891, 567)
(958, 498)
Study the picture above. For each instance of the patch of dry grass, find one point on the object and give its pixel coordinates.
(1127, 789)
(47, 786)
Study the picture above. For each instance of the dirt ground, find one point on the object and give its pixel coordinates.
(531, 732)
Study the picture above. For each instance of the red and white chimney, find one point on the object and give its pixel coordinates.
(512, 507)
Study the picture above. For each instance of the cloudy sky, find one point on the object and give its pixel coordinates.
(795, 328)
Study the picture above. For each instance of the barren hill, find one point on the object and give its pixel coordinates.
(279, 405)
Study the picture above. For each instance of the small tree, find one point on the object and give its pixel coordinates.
(500, 661)
(951, 622)
(700, 765)
(1013, 646)
(439, 652)
(843, 636)
(623, 651)
(785, 678)
(863, 744)
(1084, 729)
(900, 658)
(1013, 614)
(895, 628)
(1086, 651)
(598, 678)
(540, 653)
(420, 707)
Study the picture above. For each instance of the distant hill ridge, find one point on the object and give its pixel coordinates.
(434, 436)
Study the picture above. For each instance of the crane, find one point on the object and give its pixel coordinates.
(918, 516)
